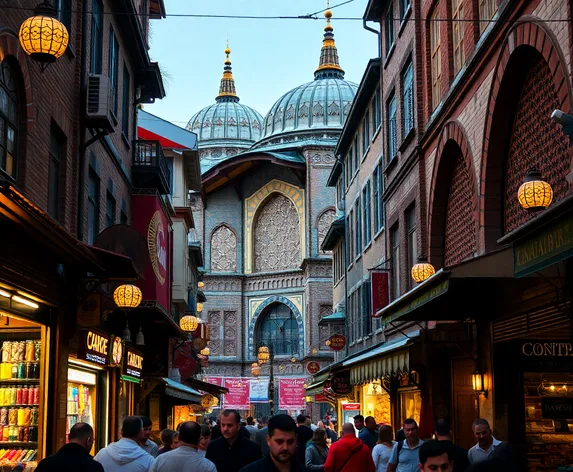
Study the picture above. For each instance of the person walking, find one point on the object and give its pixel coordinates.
(146, 443)
(359, 423)
(435, 456)
(261, 437)
(317, 451)
(126, 455)
(232, 451)
(251, 428)
(186, 456)
(282, 448)
(349, 453)
(75, 455)
(166, 441)
(331, 432)
(369, 434)
(405, 454)
(204, 440)
(303, 436)
(458, 454)
(486, 442)
(383, 448)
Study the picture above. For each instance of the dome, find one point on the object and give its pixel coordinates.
(227, 123)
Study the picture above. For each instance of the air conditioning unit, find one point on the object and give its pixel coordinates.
(98, 109)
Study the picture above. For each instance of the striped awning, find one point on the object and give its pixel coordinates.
(317, 387)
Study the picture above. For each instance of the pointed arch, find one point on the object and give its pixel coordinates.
(323, 222)
(223, 249)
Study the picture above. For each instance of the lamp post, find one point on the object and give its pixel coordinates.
(265, 355)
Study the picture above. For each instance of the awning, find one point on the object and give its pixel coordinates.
(317, 387)
(196, 252)
(181, 392)
(334, 234)
(205, 387)
(118, 266)
(381, 361)
(338, 317)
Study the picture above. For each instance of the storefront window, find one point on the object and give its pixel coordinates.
(410, 405)
(125, 405)
(377, 403)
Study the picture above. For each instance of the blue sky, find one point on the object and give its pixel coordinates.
(269, 57)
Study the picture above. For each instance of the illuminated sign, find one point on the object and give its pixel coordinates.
(94, 347)
(547, 349)
(157, 245)
(132, 363)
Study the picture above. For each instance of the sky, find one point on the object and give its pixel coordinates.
(269, 57)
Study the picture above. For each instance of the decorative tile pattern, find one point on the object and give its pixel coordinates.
(324, 223)
(223, 250)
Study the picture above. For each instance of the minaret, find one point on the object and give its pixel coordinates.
(227, 88)
(328, 66)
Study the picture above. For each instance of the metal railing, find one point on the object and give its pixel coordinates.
(148, 153)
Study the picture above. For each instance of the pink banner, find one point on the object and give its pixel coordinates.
(291, 394)
(214, 381)
(238, 396)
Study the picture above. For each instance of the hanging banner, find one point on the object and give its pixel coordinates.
(238, 396)
(259, 390)
(214, 380)
(291, 394)
(380, 290)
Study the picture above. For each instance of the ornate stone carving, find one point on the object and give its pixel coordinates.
(274, 282)
(277, 236)
(324, 158)
(214, 318)
(223, 250)
(230, 333)
(324, 310)
(324, 223)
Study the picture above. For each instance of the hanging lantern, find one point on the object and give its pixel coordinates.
(200, 284)
(328, 342)
(534, 194)
(205, 352)
(264, 354)
(188, 323)
(422, 271)
(260, 362)
(207, 400)
(255, 369)
(293, 360)
(42, 36)
(127, 296)
(199, 307)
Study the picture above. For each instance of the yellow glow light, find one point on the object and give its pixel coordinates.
(127, 296)
(422, 271)
(534, 194)
(43, 37)
(199, 307)
(188, 323)
(25, 301)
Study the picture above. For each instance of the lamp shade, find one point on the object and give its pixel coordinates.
(205, 352)
(42, 36)
(264, 354)
(199, 307)
(200, 284)
(422, 271)
(188, 323)
(478, 382)
(534, 194)
(127, 296)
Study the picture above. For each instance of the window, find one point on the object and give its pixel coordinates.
(366, 217)
(408, 98)
(358, 226)
(375, 106)
(110, 207)
(365, 133)
(97, 37)
(404, 5)
(458, 35)
(8, 119)
(123, 213)
(389, 29)
(392, 138)
(356, 153)
(64, 8)
(356, 303)
(125, 102)
(395, 242)
(339, 191)
(378, 186)
(113, 68)
(350, 226)
(54, 177)
(350, 165)
(278, 327)
(435, 44)
(412, 241)
(487, 9)
(93, 206)
(366, 309)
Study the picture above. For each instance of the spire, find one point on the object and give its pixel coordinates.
(328, 66)
(227, 87)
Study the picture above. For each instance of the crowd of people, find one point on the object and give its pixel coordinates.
(280, 444)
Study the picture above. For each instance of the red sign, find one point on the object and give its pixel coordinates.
(351, 406)
(318, 398)
(238, 396)
(185, 362)
(380, 290)
(150, 221)
(214, 381)
(291, 394)
(337, 342)
(313, 367)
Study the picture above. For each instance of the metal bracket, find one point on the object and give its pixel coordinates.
(100, 134)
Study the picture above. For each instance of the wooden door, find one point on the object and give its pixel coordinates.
(464, 402)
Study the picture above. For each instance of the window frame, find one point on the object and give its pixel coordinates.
(365, 133)
(358, 227)
(395, 247)
(64, 13)
(265, 320)
(457, 35)
(392, 127)
(10, 124)
(126, 103)
(389, 34)
(378, 189)
(110, 208)
(356, 154)
(366, 309)
(113, 69)
(435, 59)
(487, 10)
(408, 98)
(96, 52)
(367, 214)
(93, 203)
(411, 240)
(350, 226)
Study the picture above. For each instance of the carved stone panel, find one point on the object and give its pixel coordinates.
(324, 223)
(214, 318)
(223, 250)
(230, 333)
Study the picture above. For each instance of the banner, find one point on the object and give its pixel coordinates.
(213, 380)
(291, 394)
(380, 290)
(238, 396)
(259, 390)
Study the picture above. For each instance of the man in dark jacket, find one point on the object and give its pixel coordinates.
(349, 454)
(458, 454)
(261, 437)
(232, 451)
(75, 455)
(303, 435)
(369, 435)
(282, 447)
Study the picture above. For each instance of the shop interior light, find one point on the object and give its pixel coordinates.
(127, 296)
(189, 323)
(5, 294)
(422, 271)
(25, 301)
(478, 383)
(534, 194)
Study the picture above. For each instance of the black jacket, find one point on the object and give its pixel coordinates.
(459, 455)
(231, 458)
(70, 458)
(266, 465)
(303, 435)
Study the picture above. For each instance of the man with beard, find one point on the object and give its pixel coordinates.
(282, 447)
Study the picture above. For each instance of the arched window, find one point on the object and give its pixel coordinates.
(277, 236)
(223, 250)
(278, 327)
(324, 223)
(8, 119)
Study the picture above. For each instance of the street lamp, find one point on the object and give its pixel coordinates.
(422, 271)
(534, 194)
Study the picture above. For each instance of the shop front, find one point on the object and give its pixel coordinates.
(129, 383)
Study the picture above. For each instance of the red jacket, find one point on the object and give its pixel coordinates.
(349, 454)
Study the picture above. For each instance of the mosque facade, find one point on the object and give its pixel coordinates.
(261, 218)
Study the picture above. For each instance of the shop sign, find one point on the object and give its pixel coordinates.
(214, 381)
(547, 349)
(351, 407)
(259, 390)
(133, 363)
(291, 394)
(427, 296)
(318, 398)
(557, 408)
(313, 367)
(340, 383)
(116, 355)
(337, 342)
(380, 290)
(95, 347)
(546, 247)
(238, 396)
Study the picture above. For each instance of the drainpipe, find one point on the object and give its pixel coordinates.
(376, 32)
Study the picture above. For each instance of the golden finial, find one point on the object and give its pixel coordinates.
(227, 49)
(227, 87)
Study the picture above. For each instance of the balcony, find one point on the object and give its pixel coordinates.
(150, 168)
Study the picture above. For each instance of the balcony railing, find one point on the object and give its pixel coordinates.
(150, 168)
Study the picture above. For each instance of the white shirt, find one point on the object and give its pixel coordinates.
(381, 456)
(183, 458)
(477, 454)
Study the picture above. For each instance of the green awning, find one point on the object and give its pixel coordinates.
(338, 317)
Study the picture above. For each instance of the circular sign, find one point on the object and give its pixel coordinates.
(117, 351)
(337, 342)
(313, 367)
(157, 246)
